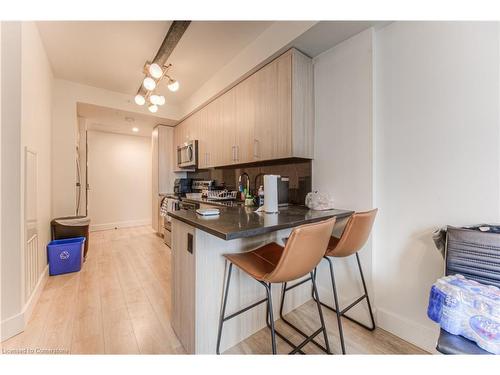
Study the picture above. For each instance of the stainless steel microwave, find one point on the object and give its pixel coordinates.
(187, 155)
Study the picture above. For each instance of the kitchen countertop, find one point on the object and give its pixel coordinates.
(241, 222)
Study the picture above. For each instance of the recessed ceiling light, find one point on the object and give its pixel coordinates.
(135, 130)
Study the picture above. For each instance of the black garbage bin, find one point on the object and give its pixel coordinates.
(69, 227)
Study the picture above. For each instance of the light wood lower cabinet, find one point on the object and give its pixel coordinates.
(269, 115)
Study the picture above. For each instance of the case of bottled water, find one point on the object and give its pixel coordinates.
(467, 308)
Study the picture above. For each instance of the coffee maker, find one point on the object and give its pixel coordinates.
(182, 186)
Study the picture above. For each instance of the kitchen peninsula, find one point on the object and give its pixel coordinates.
(198, 270)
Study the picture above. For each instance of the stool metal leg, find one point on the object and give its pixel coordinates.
(223, 309)
(337, 310)
(372, 326)
(270, 315)
(278, 333)
(320, 311)
(308, 338)
(342, 312)
(366, 294)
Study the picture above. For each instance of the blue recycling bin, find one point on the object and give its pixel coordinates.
(65, 256)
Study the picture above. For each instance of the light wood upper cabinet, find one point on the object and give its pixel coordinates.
(227, 137)
(269, 115)
(246, 94)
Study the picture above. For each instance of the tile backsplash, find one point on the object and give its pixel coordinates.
(299, 173)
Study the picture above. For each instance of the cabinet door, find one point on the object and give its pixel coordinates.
(282, 130)
(227, 139)
(266, 103)
(245, 119)
(212, 135)
(203, 139)
(154, 165)
(272, 131)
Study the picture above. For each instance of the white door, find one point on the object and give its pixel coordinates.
(119, 178)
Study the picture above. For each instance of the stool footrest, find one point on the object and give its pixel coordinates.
(342, 313)
(303, 334)
(244, 309)
(306, 341)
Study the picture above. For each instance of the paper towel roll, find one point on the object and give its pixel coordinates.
(271, 193)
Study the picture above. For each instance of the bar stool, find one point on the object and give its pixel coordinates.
(353, 238)
(273, 263)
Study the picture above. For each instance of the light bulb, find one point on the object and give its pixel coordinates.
(139, 99)
(155, 99)
(173, 85)
(135, 130)
(153, 108)
(149, 83)
(161, 100)
(155, 70)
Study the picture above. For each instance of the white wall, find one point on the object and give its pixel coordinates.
(37, 81)
(119, 173)
(342, 164)
(64, 129)
(437, 156)
(28, 79)
(11, 180)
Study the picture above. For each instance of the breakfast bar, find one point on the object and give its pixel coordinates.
(198, 270)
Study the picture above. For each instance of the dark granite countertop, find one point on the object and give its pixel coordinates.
(240, 222)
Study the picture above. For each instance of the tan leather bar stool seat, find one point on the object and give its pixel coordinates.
(354, 236)
(260, 262)
(273, 263)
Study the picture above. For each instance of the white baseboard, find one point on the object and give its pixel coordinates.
(422, 336)
(12, 326)
(30, 305)
(120, 224)
(15, 324)
(415, 333)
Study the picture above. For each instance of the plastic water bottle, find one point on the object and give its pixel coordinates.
(261, 195)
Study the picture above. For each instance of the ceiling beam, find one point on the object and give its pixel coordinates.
(174, 34)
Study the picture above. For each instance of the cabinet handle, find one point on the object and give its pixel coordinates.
(233, 148)
(255, 148)
(237, 152)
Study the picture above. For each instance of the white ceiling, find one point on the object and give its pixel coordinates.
(117, 121)
(111, 54)
(108, 55)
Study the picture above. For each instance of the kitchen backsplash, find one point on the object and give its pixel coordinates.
(299, 173)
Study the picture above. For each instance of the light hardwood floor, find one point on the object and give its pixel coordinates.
(120, 304)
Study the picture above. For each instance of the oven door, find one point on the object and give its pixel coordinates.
(187, 154)
(172, 205)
